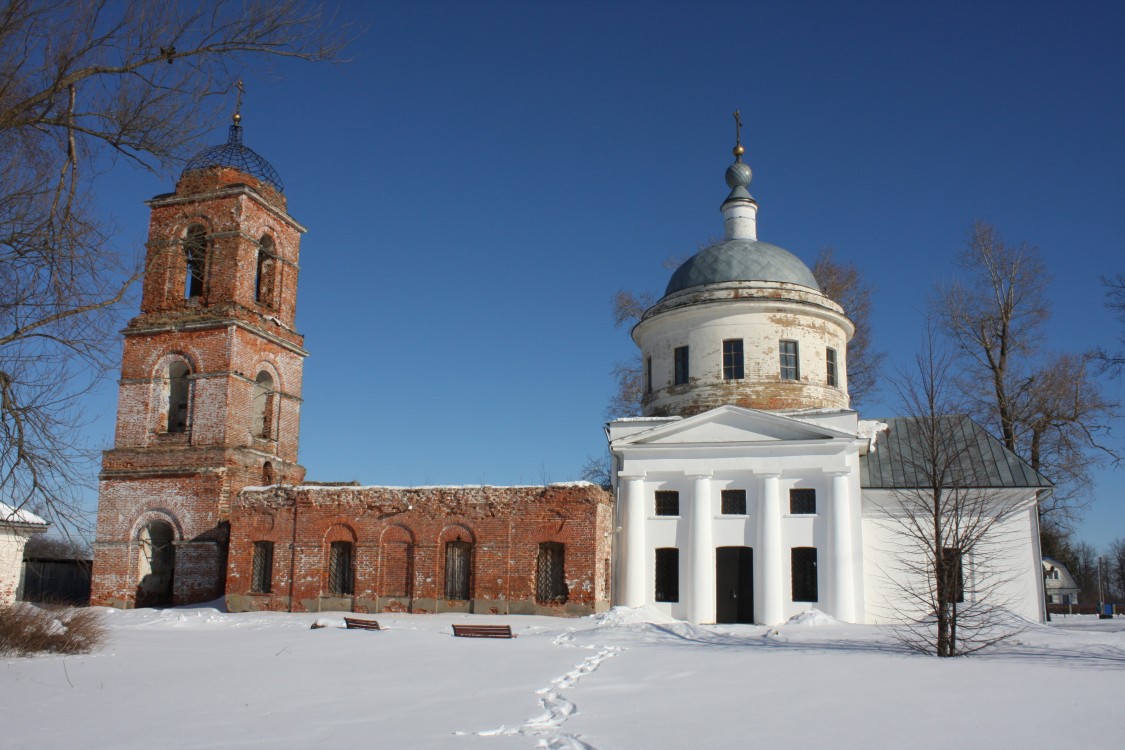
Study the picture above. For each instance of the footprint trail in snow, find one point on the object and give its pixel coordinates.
(556, 708)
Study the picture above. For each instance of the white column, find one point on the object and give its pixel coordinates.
(840, 552)
(701, 596)
(633, 590)
(770, 557)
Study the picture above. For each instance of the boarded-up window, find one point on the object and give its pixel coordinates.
(550, 573)
(458, 565)
(261, 579)
(340, 581)
(398, 568)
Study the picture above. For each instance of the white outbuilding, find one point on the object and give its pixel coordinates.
(750, 491)
(17, 525)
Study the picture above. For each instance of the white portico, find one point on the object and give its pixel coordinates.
(738, 515)
(738, 492)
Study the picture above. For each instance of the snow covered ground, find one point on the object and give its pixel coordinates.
(201, 678)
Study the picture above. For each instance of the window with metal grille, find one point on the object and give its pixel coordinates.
(667, 503)
(340, 580)
(261, 578)
(667, 574)
(681, 361)
(195, 256)
(951, 574)
(830, 363)
(732, 359)
(734, 502)
(550, 573)
(802, 502)
(804, 574)
(790, 369)
(458, 565)
(648, 374)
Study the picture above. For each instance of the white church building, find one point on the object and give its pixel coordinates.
(750, 491)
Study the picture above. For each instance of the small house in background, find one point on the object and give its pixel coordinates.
(16, 527)
(1060, 586)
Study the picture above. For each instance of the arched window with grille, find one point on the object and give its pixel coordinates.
(195, 258)
(550, 573)
(341, 579)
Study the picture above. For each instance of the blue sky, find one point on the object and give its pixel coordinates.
(480, 178)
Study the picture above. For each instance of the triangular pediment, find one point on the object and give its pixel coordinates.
(733, 424)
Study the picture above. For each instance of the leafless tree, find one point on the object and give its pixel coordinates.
(951, 558)
(627, 399)
(83, 85)
(845, 284)
(1116, 558)
(597, 470)
(1115, 300)
(1046, 408)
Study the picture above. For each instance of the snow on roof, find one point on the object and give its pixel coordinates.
(577, 483)
(647, 419)
(869, 429)
(10, 515)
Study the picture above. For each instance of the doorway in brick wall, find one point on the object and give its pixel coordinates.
(157, 564)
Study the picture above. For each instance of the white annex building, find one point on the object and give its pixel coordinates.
(16, 527)
(749, 491)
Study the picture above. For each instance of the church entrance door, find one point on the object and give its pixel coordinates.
(734, 584)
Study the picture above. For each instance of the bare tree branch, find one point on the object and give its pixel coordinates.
(844, 284)
(83, 82)
(1046, 408)
(950, 564)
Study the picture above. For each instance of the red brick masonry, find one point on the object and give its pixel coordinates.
(399, 538)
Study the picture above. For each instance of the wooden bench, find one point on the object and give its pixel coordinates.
(483, 631)
(356, 624)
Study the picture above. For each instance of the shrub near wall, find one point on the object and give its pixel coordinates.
(27, 629)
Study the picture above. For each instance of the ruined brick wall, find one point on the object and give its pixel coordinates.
(225, 336)
(400, 538)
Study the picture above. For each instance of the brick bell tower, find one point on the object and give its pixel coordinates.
(210, 391)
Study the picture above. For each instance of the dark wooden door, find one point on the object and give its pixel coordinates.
(734, 584)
